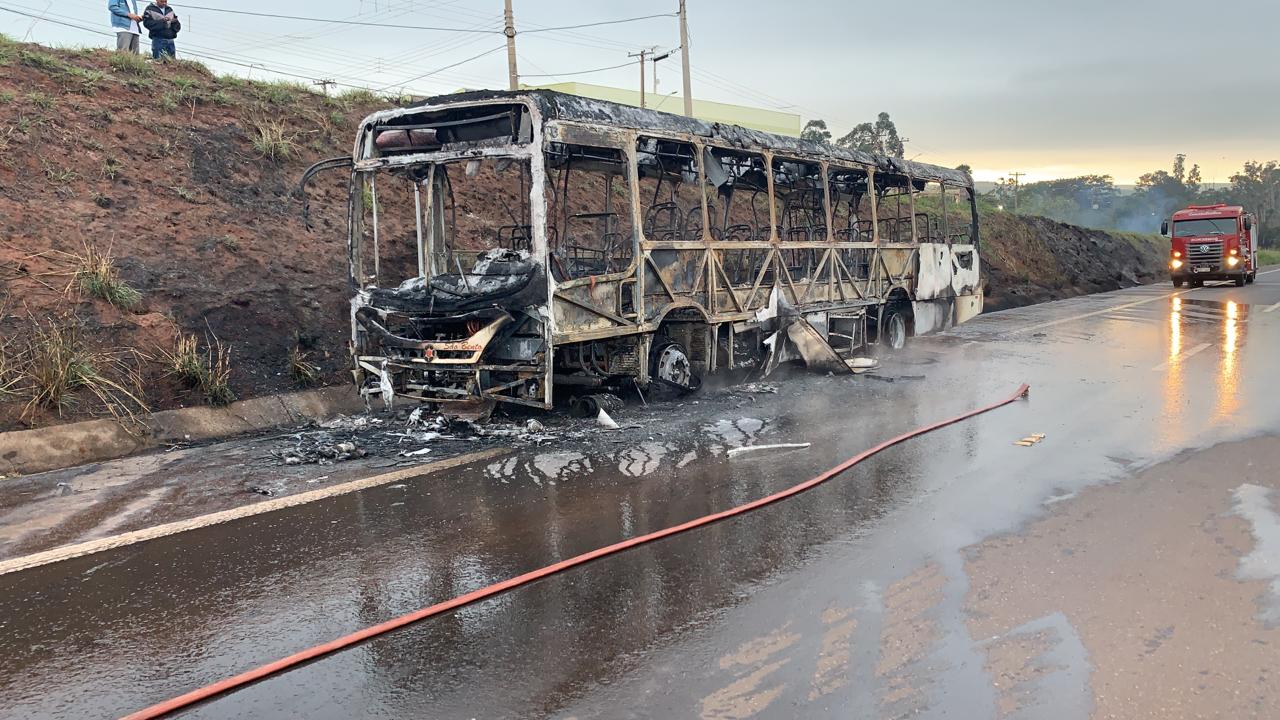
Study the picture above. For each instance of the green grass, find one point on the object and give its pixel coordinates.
(40, 100)
(112, 169)
(279, 93)
(41, 61)
(6, 97)
(360, 97)
(130, 64)
(86, 80)
(1269, 256)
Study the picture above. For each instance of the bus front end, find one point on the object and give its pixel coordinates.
(446, 255)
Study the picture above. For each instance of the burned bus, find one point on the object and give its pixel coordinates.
(516, 247)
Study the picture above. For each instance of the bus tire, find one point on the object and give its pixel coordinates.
(896, 326)
(670, 370)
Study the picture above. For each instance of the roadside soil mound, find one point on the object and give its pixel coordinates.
(181, 185)
(1030, 259)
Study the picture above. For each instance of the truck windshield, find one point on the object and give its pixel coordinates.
(1207, 226)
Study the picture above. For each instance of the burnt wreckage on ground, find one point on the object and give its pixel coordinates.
(512, 246)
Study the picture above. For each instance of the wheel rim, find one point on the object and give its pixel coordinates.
(897, 331)
(672, 365)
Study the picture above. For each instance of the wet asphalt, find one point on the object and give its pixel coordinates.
(851, 600)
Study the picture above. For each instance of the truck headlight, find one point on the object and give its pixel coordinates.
(1233, 261)
(1175, 264)
(1235, 251)
(1177, 253)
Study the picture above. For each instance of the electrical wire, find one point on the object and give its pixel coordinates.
(577, 72)
(418, 27)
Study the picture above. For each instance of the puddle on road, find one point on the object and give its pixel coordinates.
(1256, 504)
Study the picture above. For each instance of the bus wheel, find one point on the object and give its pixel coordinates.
(670, 369)
(895, 328)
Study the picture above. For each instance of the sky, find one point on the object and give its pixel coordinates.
(1048, 89)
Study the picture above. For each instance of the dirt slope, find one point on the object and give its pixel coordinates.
(158, 164)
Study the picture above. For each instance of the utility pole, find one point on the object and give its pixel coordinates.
(324, 84)
(684, 60)
(655, 59)
(642, 55)
(1015, 176)
(510, 31)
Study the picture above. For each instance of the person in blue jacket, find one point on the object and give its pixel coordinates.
(124, 23)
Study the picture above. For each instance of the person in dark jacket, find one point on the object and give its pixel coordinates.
(162, 24)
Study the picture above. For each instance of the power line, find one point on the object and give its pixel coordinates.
(417, 27)
(446, 67)
(576, 72)
(339, 21)
(597, 24)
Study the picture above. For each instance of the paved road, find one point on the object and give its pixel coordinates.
(1126, 566)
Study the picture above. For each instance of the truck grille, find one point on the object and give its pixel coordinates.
(1204, 252)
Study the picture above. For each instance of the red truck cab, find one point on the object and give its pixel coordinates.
(1212, 242)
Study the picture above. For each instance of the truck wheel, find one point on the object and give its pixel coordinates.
(1240, 280)
(1196, 283)
(1251, 277)
(1177, 282)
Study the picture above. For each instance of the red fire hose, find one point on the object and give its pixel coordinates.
(278, 666)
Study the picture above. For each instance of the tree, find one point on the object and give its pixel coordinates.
(964, 168)
(1257, 188)
(879, 138)
(816, 130)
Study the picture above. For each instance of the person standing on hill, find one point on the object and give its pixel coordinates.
(163, 26)
(124, 23)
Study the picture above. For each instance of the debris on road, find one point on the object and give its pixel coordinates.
(758, 389)
(1030, 440)
(780, 446)
(606, 422)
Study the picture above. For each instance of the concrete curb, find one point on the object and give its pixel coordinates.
(23, 452)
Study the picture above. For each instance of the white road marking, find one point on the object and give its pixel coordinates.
(1271, 307)
(1268, 272)
(1095, 313)
(1183, 356)
(89, 547)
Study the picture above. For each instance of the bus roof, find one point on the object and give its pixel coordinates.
(1220, 210)
(554, 105)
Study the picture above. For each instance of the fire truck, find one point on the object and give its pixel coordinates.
(1212, 242)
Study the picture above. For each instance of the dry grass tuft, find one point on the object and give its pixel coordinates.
(58, 367)
(96, 276)
(272, 140)
(301, 369)
(208, 371)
